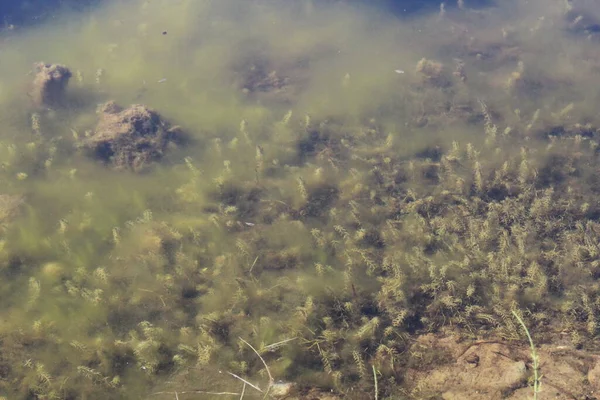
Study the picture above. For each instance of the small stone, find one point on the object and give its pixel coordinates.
(53, 271)
(472, 359)
(281, 389)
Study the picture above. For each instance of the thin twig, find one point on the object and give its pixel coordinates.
(275, 346)
(159, 296)
(245, 381)
(253, 264)
(478, 343)
(243, 391)
(199, 392)
(271, 380)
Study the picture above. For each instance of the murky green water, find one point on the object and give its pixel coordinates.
(351, 180)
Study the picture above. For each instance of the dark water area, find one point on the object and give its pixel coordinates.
(19, 12)
(27, 12)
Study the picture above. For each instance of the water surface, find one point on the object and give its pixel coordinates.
(353, 178)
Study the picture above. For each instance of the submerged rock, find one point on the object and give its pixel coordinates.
(282, 389)
(50, 83)
(448, 367)
(131, 138)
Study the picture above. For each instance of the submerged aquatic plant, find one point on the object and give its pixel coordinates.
(329, 228)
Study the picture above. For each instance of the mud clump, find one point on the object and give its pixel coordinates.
(268, 77)
(131, 138)
(49, 84)
(264, 84)
(433, 72)
(259, 80)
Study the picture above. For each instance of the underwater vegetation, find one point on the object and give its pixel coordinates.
(320, 217)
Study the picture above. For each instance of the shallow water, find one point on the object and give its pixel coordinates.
(353, 177)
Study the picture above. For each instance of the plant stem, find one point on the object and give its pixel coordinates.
(375, 379)
(536, 378)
